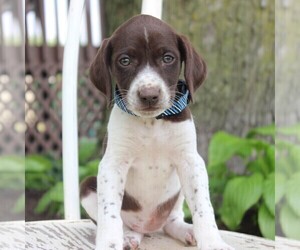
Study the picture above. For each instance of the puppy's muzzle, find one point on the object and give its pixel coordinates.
(149, 96)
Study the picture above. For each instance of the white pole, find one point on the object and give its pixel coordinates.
(69, 112)
(152, 7)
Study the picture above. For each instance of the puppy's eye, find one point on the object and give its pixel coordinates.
(125, 61)
(168, 59)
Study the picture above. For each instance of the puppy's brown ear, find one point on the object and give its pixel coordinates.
(195, 68)
(100, 70)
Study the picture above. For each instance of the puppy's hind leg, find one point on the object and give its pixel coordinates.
(180, 230)
(88, 197)
(177, 228)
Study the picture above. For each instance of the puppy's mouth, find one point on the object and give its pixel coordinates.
(150, 111)
(148, 101)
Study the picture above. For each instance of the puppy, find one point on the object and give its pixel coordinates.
(151, 161)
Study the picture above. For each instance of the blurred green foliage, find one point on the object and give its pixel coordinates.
(248, 182)
(234, 190)
(12, 178)
(287, 178)
(12, 172)
(44, 173)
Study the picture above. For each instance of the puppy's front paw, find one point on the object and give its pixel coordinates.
(132, 240)
(130, 243)
(215, 245)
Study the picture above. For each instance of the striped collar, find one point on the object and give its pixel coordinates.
(180, 101)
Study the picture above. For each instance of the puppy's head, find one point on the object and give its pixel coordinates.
(144, 57)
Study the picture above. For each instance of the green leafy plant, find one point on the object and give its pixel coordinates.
(12, 172)
(12, 178)
(44, 173)
(287, 177)
(242, 178)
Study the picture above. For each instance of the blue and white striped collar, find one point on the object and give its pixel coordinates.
(180, 101)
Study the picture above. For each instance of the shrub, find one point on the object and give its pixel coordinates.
(12, 178)
(44, 173)
(235, 191)
(287, 178)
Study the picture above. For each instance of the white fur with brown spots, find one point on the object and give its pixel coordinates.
(149, 164)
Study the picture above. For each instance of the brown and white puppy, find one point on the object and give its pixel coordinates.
(150, 164)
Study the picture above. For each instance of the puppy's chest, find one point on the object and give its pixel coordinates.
(153, 140)
(152, 179)
(149, 144)
(154, 159)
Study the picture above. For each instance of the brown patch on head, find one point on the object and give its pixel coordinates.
(88, 185)
(130, 203)
(182, 116)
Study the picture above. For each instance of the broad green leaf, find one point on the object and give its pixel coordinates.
(38, 181)
(92, 166)
(240, 194)
(43, 203)
(292, 130)
(83, 172)
(280, 182)
(259, 145)
(19, 205)
(294, 154)
(266, 222)
(283, 144)
(269, 193)
(9, 181)
(284, 165)
(12, 169)
(87, 148)
(270, 157)
(217, 185)
(259, 165)
(217, 170)
(290, 222)
(265, 131)
(55, 194)
(37, 163)
(223, 146)
(293, 193)
(12, 163)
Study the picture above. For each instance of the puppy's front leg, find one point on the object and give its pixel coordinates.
(110, 190)
(194, 181)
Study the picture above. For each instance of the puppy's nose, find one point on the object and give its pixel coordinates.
(149, 95)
